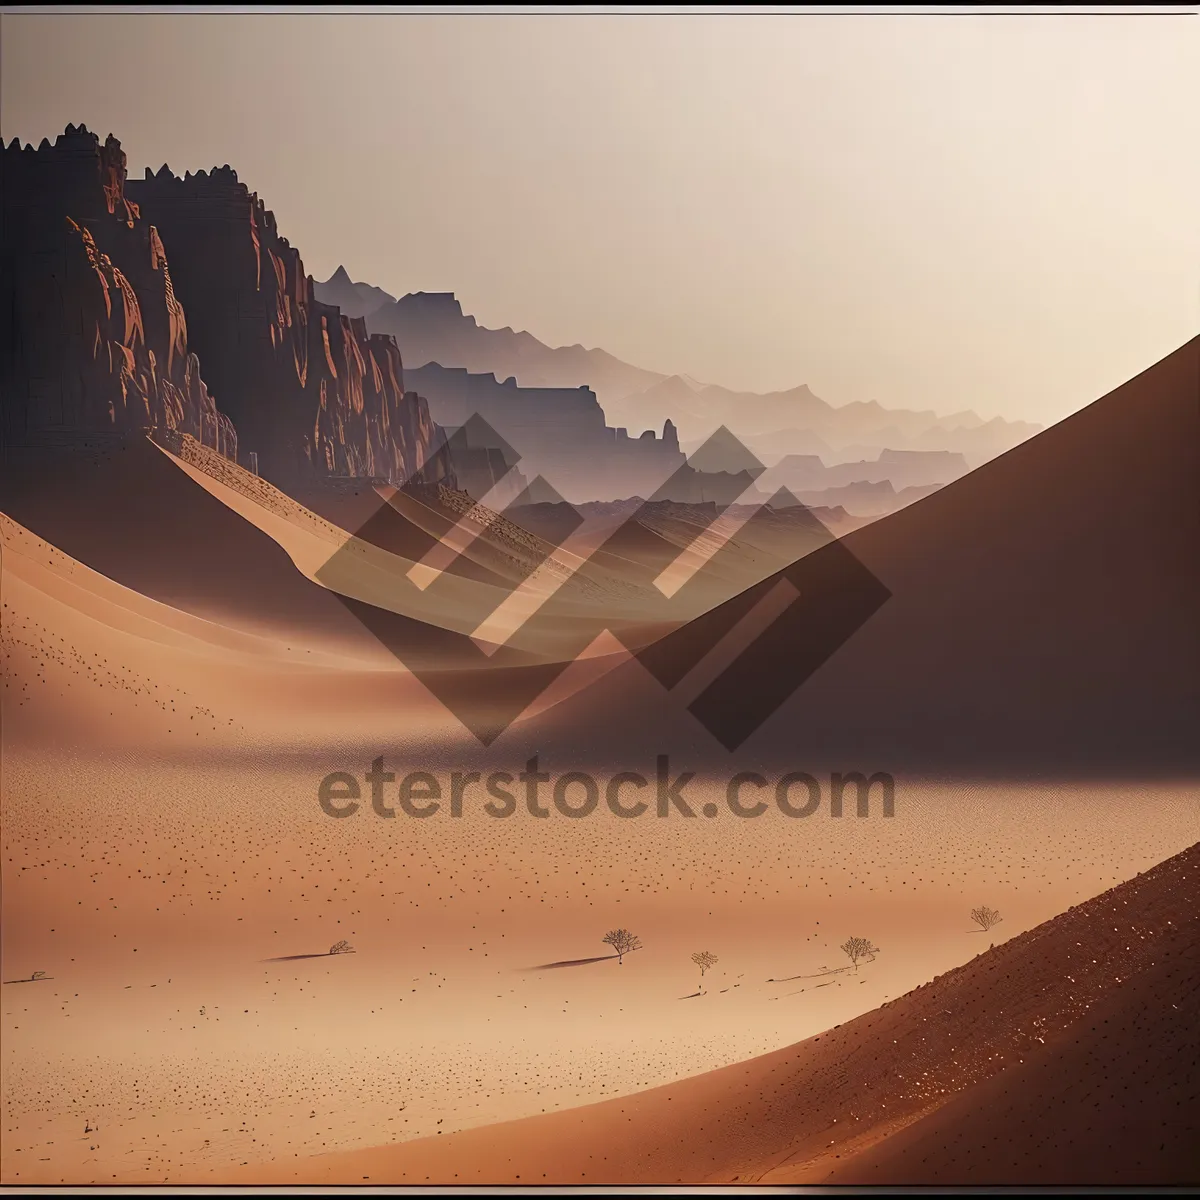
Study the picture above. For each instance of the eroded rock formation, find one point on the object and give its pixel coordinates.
(309, 389)
(93, 338)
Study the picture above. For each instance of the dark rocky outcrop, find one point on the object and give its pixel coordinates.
(93, 338)
(309, 389)
(99, 336)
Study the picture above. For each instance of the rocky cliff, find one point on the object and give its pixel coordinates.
(308, 388)
(93, 338)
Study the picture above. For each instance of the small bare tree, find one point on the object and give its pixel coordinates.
(342, 947)
(857, 948)
(623, 942)
(704, 959)
(985, 917)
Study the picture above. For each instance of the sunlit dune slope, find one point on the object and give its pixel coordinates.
(788, 1116)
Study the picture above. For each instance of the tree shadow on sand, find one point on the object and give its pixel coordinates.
(818, 975)
(298, 957)
(572, 962)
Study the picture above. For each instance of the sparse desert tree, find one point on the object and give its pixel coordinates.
(623, 942)
(985, 917)
(856, 949)
(704, 959)
(342, 947)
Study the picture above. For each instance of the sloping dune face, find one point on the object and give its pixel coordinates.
(196, 531)
(95, 668)
(131, 512)
(1108, 1106)
(927, 1089)
(1041, 619)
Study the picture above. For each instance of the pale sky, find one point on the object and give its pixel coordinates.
(1000, 213)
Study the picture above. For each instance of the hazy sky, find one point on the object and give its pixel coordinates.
(992, 212)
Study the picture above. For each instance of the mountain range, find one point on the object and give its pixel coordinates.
(354, 299)
(174, 304)
(432, 327)
(178, 305)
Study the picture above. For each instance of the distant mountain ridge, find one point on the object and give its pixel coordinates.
(432, 327)
(354, 299)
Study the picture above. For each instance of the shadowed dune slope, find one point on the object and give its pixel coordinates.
(1117, 1103)
(131, 513)
(1042, 617)
(87, 663)
(789, 1115)
(385, 519)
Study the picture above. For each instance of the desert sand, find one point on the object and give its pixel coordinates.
(178, 679)
(1064, 1055)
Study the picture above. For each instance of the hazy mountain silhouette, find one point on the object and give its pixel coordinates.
(797, 421)
(354, 299)
(432, 327)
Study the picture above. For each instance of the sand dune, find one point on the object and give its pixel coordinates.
(197, 851)
(393, 521)
(202, 535)
(205, 537)
(1014, 1015)
(1041, 619)
(94, 663)
(131, 513)
(1113, 1105)
(175, 691)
